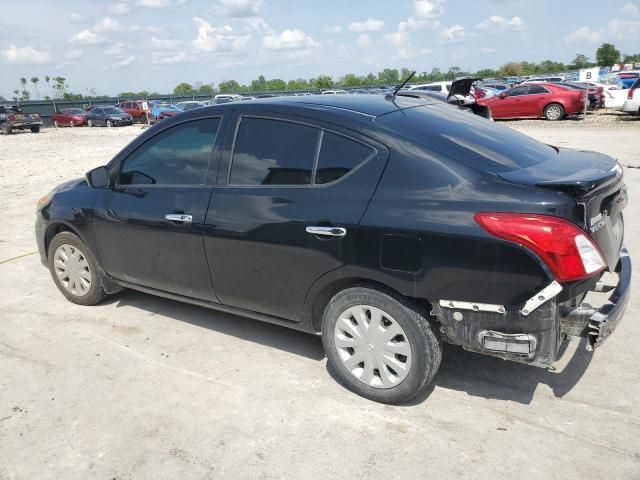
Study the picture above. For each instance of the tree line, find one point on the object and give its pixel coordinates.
(58, 89)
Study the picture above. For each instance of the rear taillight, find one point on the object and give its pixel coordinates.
(630, 94)
(11, 118)
(565, 248)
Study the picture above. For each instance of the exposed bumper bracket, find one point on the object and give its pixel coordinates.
(547, 293)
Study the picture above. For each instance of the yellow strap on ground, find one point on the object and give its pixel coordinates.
(15, 258)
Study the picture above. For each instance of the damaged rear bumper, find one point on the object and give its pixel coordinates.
(533, 335)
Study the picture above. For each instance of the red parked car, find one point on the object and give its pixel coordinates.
(535, 100)
(69, 117)
(135, 109)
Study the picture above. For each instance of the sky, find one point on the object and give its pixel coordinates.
(112, 46)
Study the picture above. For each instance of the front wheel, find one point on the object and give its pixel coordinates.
(89, 123)
(143, 119)
(35, 129)
(74, 270)
(109, 123)
(380, 348)
(554, 111)
(6, 129)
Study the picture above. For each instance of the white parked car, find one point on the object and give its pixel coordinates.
(334, 92)
(632, 102)
(556, 78)
(442, 87)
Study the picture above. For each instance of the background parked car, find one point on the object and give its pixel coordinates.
(632, 103)
(190, 105)
(532, 100)
(161, 111)
(543, 79)
(109, 116)
(12, 118)
(69, 117)
(135, 109)
(594, 94)
(442, 87)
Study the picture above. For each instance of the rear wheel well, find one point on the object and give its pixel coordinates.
(52, 231)
(322, 299)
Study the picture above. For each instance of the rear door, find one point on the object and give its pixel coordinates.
(148, 227)
(534, 101)
(291, 194)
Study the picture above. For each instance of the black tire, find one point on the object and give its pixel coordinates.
(6, 129)
(425, 345)
(143, 118)
(554, 112)
(96, 291)
(109, 123)
(35, 129)
(90, 123)
(56, 124)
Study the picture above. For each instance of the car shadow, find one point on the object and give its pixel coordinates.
(269, 335)
(475, 374)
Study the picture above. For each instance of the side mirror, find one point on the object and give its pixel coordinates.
(98, 177)
(502, 95)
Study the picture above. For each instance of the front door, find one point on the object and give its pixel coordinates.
(287, 211)
(148, 227)
(511, 105)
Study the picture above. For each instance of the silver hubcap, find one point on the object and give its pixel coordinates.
(72, 269)
(372, 346)
(553, 112)
(90, 123)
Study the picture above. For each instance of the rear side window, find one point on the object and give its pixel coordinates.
(516, 92)
(177, 156)
(273, 152)
(338, 156)
(469, 139)
(535, 89)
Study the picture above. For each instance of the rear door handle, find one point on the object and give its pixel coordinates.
(178, 217)
(327, 231)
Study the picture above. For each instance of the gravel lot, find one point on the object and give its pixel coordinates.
(141, 387)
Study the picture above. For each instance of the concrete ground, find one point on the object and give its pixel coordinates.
(142, 387)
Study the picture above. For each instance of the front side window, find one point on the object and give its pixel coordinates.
(97, 111)
(273, 152)
(338, 156)
(177, 156)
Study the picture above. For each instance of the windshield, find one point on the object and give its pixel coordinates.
(467, 138)
(112, 111)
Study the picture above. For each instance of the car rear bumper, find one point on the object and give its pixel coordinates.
(27, 124)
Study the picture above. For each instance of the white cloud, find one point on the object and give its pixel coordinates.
(623, 29)
(500, 23)
(126, 61)
(26, 56)
(107, 24)
(631, 9)
(153, 3)
(76, 17)
(453, 34)
(334, 29)
(411, 24)
(583, 34)
(397, 39)
(114, 49)
(426, 9)
(288, 40)
(488, 50)
(86, 37)
(153, 29)
(162, 59)
(119, 8)
(369, 25)
(364, 40)
(239, 8)
(257, 24)
(163, 43)
(73, 54)
(213, 39)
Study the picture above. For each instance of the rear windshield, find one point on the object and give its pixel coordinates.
(467, 138)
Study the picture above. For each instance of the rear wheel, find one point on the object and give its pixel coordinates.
(71, 124)
(6, 129)
(554, 111)
(35, 129)
(109, 123)
(56, 124)
(379, 347)
(143, 119)
(74, 270)
(89, 123)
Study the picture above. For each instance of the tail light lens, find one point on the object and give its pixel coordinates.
(630, 94)
(11, 117)
(566, 249)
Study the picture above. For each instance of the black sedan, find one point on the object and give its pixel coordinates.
(108, 116)
(385, 225)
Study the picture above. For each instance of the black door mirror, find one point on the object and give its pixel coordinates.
(502, 95)
(98, 177)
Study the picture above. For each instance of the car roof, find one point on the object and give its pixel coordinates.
(370, 105)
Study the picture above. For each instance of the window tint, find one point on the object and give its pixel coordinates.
(338, 156)
(535, 89)
(273, 152)
(514, 92)
(97, 111)
(472, 140)
(178, 156)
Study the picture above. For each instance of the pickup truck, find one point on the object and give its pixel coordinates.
(12, 118)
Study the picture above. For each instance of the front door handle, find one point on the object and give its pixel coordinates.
(327, 231)
(178, 217)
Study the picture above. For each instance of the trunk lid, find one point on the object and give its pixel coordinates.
(595, 182)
